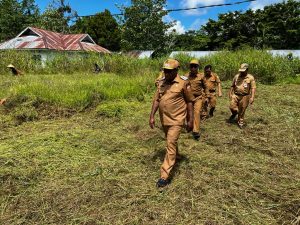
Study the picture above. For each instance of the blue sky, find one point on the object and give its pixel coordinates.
(185, 20)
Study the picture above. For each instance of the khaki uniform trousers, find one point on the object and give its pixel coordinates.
(239, 104)
(197, 105)
(209, 101)
(172, 134)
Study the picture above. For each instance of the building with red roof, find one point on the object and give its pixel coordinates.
(38, 39)
(44, 42)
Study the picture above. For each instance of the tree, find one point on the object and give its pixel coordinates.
(30, 11)
(102, 27)
(10, 17)
(191, 41)
(15, 16)
(276, 26)
(143, 27)
(280, 24)
(57, 17)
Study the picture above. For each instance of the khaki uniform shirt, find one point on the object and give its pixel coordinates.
(211, 83)
(243, 85)
(197, 84)
(173, 100)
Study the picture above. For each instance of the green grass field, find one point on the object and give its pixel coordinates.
(70, 157)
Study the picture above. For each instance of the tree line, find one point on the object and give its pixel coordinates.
(142, 26)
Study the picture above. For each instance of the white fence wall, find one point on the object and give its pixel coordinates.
(198, 54)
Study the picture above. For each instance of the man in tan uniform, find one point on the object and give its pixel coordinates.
(241, 94)
(212, 83)
(197, 86)
(173, 98)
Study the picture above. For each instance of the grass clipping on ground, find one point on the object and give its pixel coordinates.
(100, 167)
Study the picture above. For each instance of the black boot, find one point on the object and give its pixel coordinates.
(196, 136)
(232, 118)
(211, 112)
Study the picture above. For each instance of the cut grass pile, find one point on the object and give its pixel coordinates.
(100, 166)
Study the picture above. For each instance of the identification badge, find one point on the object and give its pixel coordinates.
(245, 85)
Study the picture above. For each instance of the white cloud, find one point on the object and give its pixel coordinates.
(178, 26)
(197, 24)
(180, 29)
(262, 3)
(197, 3)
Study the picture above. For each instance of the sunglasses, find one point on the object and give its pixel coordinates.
(168, 71)
(193, 66)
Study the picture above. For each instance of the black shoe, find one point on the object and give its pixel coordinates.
(232, 118)
(211, 112)
(178, 157)
(196, 136)
(162, 183)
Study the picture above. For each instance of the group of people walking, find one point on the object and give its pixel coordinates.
(184, 100)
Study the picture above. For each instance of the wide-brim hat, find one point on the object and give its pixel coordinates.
(10, 66)
(171, 64)
(243, 67)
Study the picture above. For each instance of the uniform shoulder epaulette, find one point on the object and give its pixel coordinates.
(183, 77)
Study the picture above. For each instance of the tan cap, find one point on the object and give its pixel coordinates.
(195, 61)
(10, 66)
(243, 67)
(171, 64)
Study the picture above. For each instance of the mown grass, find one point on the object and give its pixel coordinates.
(100, 166)
(75, 148)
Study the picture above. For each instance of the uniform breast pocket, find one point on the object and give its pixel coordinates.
(246, 87)
(246, 84)
(176, 91)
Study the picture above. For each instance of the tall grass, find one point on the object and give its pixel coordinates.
(79, 91)
(67, 63)
(265, 67)
(68, 82)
